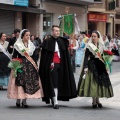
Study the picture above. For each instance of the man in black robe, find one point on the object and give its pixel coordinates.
(57, 77)
(13, 40)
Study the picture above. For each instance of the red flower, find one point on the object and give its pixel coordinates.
(17, 59)
(107, 52)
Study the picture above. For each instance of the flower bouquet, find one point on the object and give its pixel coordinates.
(108, 57)
(16, 65)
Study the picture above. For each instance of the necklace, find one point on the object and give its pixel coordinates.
(25, 44)
(2, 43)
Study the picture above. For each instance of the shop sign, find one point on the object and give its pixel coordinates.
(7, 2)
(21, 2)
(15, 2)
(97, 17)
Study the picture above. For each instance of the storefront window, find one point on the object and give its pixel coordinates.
(47, 24)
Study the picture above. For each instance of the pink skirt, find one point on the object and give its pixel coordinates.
(17, 92)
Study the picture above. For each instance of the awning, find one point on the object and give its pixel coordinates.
(21, 9)
(97, 17)
(72, 2)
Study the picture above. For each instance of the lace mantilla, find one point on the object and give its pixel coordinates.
(19, 46)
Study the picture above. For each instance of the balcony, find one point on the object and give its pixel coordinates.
(72, 2)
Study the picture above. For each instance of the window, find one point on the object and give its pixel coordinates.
(47, 24)
(112, 5)
(117, 3)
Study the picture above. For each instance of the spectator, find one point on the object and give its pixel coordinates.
(37, 48)
(13, 40)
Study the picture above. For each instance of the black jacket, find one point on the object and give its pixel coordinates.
(11, 43)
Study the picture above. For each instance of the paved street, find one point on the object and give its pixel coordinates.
(76, 109)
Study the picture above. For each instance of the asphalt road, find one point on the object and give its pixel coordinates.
(77, 109)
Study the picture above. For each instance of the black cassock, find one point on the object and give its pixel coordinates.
(66, 83)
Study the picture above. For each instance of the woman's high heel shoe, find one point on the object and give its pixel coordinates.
(94, 105)
(99, 105)
(25, 106)
(17, 105)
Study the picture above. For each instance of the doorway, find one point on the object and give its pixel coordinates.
(108, 28)
(91, 27)
(24, 19)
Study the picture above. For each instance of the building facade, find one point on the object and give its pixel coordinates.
(55, 8)
(106, 17)
(117, 17)
(24, 14)
(39, 15)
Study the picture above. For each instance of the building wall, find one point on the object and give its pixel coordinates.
(57, 10)
(35, 21)
(18, 20)
(99, 8)
(32, 23)
(110, 20)
(7, 20)
(33, 2)
(101, 27)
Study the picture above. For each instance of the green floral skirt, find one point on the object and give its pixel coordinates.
(88, 87)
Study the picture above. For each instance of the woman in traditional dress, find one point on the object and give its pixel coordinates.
(4, 60)
(73, 47)
(80, 51)
(106, 42)
(94, 79)
(27, 84)
(114, 48)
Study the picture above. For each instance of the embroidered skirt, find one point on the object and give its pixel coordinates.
(88, 87)
(27, 84)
